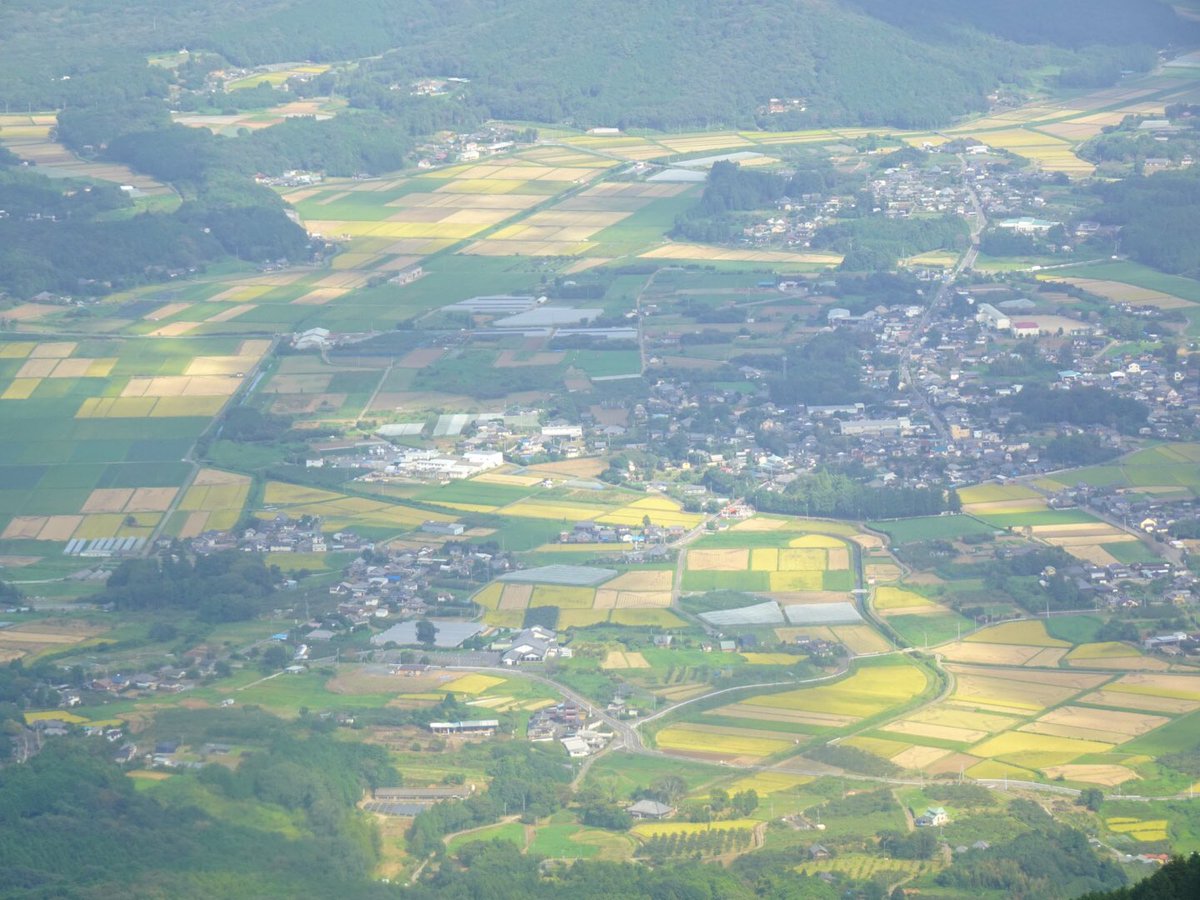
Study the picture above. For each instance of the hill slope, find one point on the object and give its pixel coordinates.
(655, 63)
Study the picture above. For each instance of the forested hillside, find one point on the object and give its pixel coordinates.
(635, 62)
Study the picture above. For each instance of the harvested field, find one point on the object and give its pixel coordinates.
(1120, 723)
(643, 599)
(1123, 663)
(605, 599)
(859, 639)
(962, 717)
(986, 691)
(652, 580)
(876, 572)
(1105, 775)
(619, 660)
(918, 758)
(941, 732)
(1178, 687)
(573, 468)
(107, 500)
(150, 500)
(718, 560)
(1141, 701)
(515, 596)
(995, 654)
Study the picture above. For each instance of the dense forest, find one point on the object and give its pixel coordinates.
(73, 825)
(1160, 218)
(1039, 405)
(219, 587)
(825, 370)
(656, 64)
(841, 497)
(1179, 879)
(77, 238)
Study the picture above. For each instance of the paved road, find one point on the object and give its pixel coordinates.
(964, 264)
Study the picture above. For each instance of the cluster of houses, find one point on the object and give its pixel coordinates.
(580, 733)
(1111, 586)
(534, 644)
(639, 535)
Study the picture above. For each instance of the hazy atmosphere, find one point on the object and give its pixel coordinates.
(538, 448)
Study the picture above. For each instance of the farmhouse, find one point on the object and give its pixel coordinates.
(650, 809)
(531, 645)
(933, 817)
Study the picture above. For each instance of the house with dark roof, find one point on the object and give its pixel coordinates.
(650, 809)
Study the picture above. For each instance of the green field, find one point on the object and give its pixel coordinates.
(932, 528)
(930, 630)
(1136, 274)
(1163, 467)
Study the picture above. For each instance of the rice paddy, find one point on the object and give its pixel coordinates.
(713, 742)
(785, 564)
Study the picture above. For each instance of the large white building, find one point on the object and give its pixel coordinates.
(988, 315)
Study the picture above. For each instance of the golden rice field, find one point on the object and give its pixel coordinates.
(339, 511)
(489, 597)
(666, 829)
(888, 597)
(563, 597)
(865, 693)
(991, 493)
(768, 783)
(1103, 650)
(472, 684)
(1031, 632)
(581, 618)
(866, 868)
(702, 739)
(1138, 829)
(1037, 750)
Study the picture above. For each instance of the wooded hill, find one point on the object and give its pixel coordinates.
(652, 63)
